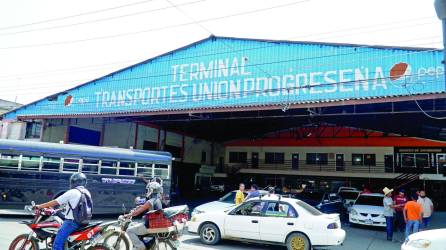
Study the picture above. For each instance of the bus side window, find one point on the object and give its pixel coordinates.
(90, 166)
(127, 168)
(109, 167)
(161, 170)
(9, 161)
(50, 164)
(70, 165)
(30, 162)
(145, 169)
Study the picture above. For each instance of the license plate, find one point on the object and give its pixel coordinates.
(368, 222)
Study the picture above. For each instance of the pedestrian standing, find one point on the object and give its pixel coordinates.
(388, 211)
(428, 208)
(412, 216)
(400, 200)
(240, 196)
(254, 192)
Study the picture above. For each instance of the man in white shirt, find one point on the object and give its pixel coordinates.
(388, 212)
(70, 199)
(428, 208)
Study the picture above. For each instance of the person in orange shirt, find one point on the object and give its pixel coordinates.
(412, 216)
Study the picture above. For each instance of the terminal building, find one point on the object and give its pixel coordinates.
(281, 113)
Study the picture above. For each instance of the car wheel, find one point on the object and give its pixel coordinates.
(298, 241)
(209, 234)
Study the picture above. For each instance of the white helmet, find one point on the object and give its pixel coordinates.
(153, 187)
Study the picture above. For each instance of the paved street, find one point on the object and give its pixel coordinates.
(357, 238)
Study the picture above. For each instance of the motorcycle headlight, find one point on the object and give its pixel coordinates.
(354, 212)
(420, 243)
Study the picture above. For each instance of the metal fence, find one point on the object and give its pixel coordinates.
(331, 166)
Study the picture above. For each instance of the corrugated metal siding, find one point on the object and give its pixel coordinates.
(276, 73)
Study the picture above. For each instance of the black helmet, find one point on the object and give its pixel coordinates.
(78, 179)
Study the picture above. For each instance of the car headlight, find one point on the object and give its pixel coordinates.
(353, 212)
(420, 243)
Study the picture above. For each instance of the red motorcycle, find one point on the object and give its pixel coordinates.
(44, 228)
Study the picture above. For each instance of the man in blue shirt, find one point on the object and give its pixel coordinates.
(253, 193)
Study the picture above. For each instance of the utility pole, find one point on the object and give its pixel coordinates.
(440, 8)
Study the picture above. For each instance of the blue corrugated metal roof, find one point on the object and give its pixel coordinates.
(268, 61)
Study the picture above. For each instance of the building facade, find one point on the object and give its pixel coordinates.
(279, 109)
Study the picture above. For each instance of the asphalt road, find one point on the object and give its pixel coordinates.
(358, 238)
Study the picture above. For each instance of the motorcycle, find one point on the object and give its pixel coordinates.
(165, 227)
(44, 227)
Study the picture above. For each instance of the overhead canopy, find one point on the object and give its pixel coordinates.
(219, 73)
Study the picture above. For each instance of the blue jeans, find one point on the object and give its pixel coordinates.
(426, 221)
(389, 227)
(412, 226)
(65, 230)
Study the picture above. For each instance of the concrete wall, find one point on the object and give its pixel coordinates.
(12, 130)
(55, 130)
(302, 151)
(119, 134)
(193, 147)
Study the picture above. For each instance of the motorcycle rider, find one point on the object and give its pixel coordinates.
(71, 198)
(153, 202)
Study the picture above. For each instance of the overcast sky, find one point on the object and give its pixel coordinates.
(40, 57)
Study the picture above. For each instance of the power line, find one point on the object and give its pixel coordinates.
(214, 53)
(98, 20)
(143, 77)
(76, 15)
(155, 29)
(166, 74)
(305, 58)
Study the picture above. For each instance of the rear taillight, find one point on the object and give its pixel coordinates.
(333, 225)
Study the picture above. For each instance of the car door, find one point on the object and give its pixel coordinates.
(243, 221)
(279, 219)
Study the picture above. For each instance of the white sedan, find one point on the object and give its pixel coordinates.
(426, 240)
(270, 220)
(368, 210)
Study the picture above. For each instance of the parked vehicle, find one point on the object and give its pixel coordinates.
(429, 240)
(368, 210)
(165, 228)
(44, 228)
(349, 197)
(223, 203)
(324, 202)
(270, 220)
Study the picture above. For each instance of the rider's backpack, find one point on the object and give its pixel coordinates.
(82, 213)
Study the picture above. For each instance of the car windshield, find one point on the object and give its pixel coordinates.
(369, 200)
(228, 198)
(309, 208)
(349, 195)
